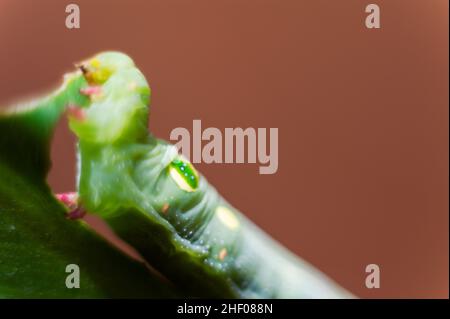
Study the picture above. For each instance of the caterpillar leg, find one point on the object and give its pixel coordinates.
(91, 90)
(77, 213)
(70, 200)
(76, 112)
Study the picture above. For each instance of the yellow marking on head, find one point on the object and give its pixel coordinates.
(96, 73)
(181, 182)
(227, 217)
(101, 75)
(95, 63)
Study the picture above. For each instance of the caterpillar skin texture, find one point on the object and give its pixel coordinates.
(155, 200)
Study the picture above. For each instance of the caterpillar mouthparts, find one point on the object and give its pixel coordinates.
(82, 68)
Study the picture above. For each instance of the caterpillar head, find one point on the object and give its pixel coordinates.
(118, 100)
(98, 69)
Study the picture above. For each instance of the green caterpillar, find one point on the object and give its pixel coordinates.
(155, 200)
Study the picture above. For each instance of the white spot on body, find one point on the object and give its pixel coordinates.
(227, 217)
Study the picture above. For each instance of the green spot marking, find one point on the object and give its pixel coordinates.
(184, 174)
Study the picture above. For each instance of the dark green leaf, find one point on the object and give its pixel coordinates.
(37, 241)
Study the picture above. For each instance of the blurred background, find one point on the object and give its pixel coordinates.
(362, 115)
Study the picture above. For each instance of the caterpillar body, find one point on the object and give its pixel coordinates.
(156, 200)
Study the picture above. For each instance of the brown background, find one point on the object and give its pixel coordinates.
(362, 114)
